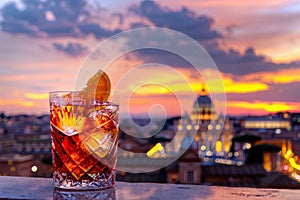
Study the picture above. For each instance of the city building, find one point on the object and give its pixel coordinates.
(204, 130)
(15, 164)
(249, 151)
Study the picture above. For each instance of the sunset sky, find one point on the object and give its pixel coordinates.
(254, 44)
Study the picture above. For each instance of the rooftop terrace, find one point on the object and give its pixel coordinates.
(42, 188)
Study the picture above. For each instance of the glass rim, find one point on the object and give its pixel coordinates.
(80, 91)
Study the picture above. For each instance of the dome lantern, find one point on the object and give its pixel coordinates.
(203, 108)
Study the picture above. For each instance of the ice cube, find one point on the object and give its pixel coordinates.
(100, 142)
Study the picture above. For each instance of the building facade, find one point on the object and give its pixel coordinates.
(203, 130)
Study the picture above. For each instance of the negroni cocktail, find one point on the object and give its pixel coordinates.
(84, 130)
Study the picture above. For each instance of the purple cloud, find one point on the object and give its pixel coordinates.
(200, 29)
(246, 62)
(69, 18)
(71, 49)
(96, 30)
(184, 20)
(73, 19)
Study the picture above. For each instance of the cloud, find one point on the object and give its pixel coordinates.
(96, 30)
(266, 107)
(283, 76)
(16, 102)
(246, 62)
(199, 27)
(232, 86)
(71, 49)
(66, 18)
(37, 96)
(51, 18)
(184, 20)
(281, 86)
(76, 18)
(285, 93)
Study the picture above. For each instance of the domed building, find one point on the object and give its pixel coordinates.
(201, 129)
(203, 109)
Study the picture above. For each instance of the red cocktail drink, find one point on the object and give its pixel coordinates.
(84, 140)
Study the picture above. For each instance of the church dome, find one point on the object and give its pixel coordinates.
(203, 107)
(203, 101)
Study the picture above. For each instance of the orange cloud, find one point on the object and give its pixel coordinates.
(166, 104)
(37, 96)
(229, 85)
(173, 84)
(16, 102)
(260, 106)
(152, 89)
(279, 77)
(287, 56)
(232, 86)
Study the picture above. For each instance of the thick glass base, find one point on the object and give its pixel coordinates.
(108, 194)
(94, 182)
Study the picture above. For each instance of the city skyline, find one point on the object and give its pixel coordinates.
(254, 45)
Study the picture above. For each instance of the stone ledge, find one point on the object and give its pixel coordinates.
(42, 188)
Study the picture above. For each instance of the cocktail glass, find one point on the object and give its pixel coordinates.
(84, 135)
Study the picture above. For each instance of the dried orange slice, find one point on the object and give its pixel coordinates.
(100, 85)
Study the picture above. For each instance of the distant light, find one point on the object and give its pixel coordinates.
(285, 168)
(123, 173)
(227, 126)
(220, 153)
(239, 163)
(246, 146)
(196, 127)
(289, 154)
(296, 176)
(197, 138)
(209, 153)
(228, 162)
(278, 131)
(210, 127)
(203, 147)
(236, 154)
(189, 127)
(223, 161)
(180, 127)
(230, 154)
(294, 164)
(157, 148)
(10, 162)
(34, 168)
(219, 146)
(12, 169)
(218, 126)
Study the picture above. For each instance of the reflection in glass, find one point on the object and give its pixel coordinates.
(108, 194)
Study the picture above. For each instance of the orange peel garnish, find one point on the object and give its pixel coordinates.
(100, 85)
